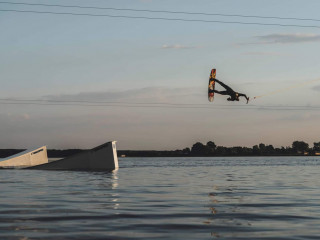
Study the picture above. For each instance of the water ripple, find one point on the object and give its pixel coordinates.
(171, 198)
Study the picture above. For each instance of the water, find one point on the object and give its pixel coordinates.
(166, 198)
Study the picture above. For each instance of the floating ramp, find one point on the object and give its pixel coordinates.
(101, 158)
(31, 157)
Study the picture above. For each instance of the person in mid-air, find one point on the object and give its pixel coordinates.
(234, 96)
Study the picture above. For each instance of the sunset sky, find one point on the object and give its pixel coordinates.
(150, 75)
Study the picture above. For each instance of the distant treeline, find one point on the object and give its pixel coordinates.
(211, 149)
(198, 149)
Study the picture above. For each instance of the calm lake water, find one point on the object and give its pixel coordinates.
(166, 198)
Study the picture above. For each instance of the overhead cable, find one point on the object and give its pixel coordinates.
(160, 11)
(153, 105)
(159, 18)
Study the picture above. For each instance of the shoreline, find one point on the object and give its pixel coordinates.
(54, 153)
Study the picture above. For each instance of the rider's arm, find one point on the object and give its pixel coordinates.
(217, 80)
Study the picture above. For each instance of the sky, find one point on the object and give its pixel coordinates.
(77, 80)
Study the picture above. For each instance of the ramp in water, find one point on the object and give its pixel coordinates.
(103, 157)
(27, 158)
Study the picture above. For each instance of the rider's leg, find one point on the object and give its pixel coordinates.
(224, 85)
(221, 92)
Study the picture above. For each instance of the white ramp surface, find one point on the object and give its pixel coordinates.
(28, 158)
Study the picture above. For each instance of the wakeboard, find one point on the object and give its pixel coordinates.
(211, 85)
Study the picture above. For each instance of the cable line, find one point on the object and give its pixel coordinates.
(160, 11)
(151, 105)
(94, 102)
(159, 18)
(111, 105)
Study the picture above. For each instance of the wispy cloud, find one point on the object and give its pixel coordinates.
(316, 88)
(150, 94)
(26, 116)
(17, 117)
(288, 38)
(177, 46)
(263, 53)
(299, 117)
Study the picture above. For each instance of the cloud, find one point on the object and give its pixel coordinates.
(26, 116)
(288, 38)
(150, 94)
(316, 88)
(263, 53)
(17, 117)
(300, 117)
(177, 46)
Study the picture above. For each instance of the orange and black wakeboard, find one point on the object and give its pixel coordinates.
(211, 85)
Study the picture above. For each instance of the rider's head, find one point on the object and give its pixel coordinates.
(237, 97)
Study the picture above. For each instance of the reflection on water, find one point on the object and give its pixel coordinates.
(166, 198)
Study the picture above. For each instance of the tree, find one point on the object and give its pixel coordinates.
(211, 147)
(198, 149)
(262, 147)
(256, 150)
(186, 151)
(221, 150)
(236, 151)
(316, 146)
(283, 150)
(299, 146)
(269, 149)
